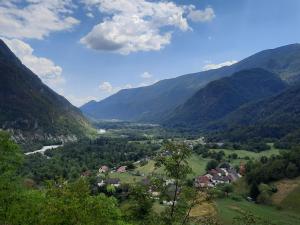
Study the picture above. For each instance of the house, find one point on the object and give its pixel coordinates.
(101, 183)
(219, 175)
(103, 169)
(233, 175)
(122, 169)
(213, 172)
(113, 181)
(220, 179)
(86, 174)
(110, 181)
(203, 182)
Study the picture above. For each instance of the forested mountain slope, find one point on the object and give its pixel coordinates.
(152, 102)
(29, 107)
(223, 96)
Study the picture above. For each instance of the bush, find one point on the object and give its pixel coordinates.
(212, 164)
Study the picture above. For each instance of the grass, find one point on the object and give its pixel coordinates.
(284, 188)
(158, 208)
(203, 208)
(126, 178)
(292, 200)
(197, 163)
(242, 154)
(229, 209)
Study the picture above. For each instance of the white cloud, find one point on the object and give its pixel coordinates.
(138, 25)
(91, 15)
(146, 75)
(205, 15)
(106, 87)
(35, 18)
(43, 67)
(212, 66)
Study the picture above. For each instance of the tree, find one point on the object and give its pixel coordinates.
(254, 191)
(291, 170)
(140, 204)
(10, 161)
(212, 164)
(71, 204)
(174, 160)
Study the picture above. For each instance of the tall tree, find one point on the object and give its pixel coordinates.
(174, 160)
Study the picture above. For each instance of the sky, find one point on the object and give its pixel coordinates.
(90, 49)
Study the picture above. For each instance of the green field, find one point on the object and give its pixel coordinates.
(292, 201)
(242, 154)
(197, 163)
(229, 209)
(127, 178)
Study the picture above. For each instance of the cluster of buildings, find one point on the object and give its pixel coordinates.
(219, 175)
(111, 181)
(105, 169)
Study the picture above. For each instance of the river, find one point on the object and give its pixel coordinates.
(43, 149)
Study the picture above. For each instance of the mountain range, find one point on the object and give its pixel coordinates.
(31, 109)
(221, 97)
(256, 97)
(273, 117)
(152, 103)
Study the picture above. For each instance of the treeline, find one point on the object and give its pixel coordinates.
(71, 160)
(267, 170)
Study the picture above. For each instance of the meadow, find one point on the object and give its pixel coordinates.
(228, 209)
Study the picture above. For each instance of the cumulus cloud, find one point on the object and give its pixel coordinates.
(43, 67)
(107, 88)
(146, 75)
(212, 66)
(148, 79)
(205, 15)
(89, 14)
(35, 18)
(139, 25)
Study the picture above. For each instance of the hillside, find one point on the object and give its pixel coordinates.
(30, 108)
(223, 96)
(274, 117)
(150, 103)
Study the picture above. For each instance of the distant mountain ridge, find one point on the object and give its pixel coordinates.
(149, 104)
(223, 96)
(274, 117)
(30, 108)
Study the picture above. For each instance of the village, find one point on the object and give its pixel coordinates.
(223, 174)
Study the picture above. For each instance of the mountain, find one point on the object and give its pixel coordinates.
(274, 117)
(152, 102)
(30, 108)
(223, 96)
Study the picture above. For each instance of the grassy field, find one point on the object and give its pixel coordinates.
(292, 200)
(197, 163)
(127, 178)
(284, 188)
(242, 154)
(229, 209)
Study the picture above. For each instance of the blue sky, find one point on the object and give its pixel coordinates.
(90, 49)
